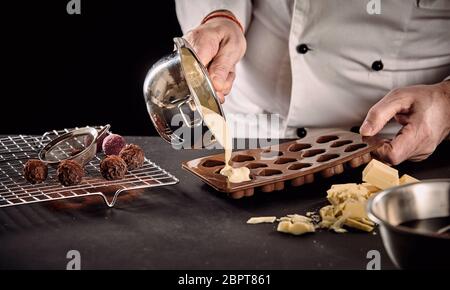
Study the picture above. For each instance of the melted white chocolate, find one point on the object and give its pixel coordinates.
(221, 132)
(236, 175)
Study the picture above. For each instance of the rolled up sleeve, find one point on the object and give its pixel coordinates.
(191, 12)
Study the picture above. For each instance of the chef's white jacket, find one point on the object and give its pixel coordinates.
(324, 63)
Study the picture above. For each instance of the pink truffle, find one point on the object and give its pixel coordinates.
(112, 144)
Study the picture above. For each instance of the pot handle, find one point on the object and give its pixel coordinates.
(190, 102)
(102, 131)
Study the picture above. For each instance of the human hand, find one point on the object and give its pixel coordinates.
(424, 113)
(219, 44)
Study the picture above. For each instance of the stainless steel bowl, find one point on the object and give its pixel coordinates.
(410, 247)
(174, 90)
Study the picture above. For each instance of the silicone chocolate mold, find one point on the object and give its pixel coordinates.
(296, 162)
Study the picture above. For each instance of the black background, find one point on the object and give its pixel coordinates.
(61, 70)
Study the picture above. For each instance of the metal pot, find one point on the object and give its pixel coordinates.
(412, 247)
(174, 89)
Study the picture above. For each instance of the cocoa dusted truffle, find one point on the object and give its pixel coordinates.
(35, 171)
(113, 167)
(112, 144)
(69, 172)
(133, 156)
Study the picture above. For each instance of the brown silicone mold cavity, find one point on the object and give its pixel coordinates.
(249, 192)
(212, 163)
(327, 157)
(237, 194)
(284, 160)
(256, 165)
(270, 172)
(298, 166)
(298, 181)
(313, 152)
(328, 172)
(269, 154)
(279, 185)
(355, 147)
(242, 158)
(268, 188)
(341, 143)
(356, 162)
(326, 139)
(299, 147)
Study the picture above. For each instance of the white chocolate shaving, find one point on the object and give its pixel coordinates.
(260, 220)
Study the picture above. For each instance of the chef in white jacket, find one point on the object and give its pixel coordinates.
(377, 66)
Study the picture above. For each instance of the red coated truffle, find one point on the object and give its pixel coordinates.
(112, 144)
(69, 172)
(133, 155)
(35, 171)
(113, 167)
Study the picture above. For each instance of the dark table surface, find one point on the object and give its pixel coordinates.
(190, 226)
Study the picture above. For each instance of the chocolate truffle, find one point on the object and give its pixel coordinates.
(35, 171)
(69, 172)
(133, 156)
(112, 144)
(113, 167)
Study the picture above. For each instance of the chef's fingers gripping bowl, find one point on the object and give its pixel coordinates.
(413, 247)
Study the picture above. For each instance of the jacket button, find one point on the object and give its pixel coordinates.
(301, 132)
(377, 65)
(302, 48)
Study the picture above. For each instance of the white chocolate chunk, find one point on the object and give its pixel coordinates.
(339, 193)
(327, 214)
(380, 175)
(301, 228)
(339, 230)
(360, 225)
(284, 226)
(297, 228)
(371, 188)
(344, 186)
(405, 179)
(337, 226)
(236, 175)
(355, 210)
(348, 207)
(260, 220)
(299, 218)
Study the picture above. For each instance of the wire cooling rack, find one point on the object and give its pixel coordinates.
(15, 190)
